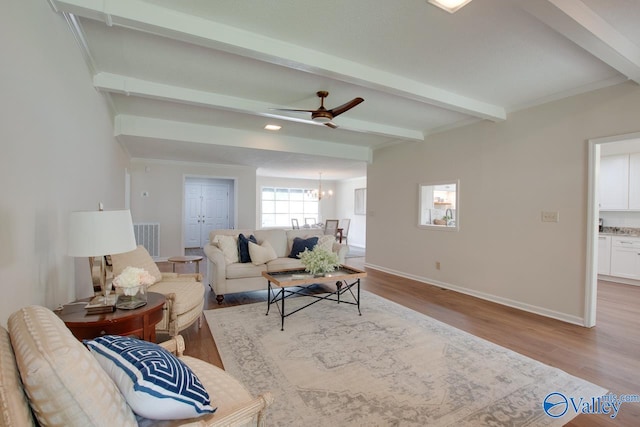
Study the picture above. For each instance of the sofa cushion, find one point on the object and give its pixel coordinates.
(303, 233)
(65, 384)
(139, 258)
(239, 270)
(284, 263)
(229, 247)
(187, 294)
(155, 383)
(14, 407)
(261, 254)
(276, 238)
(229, 393)
(243, 247)
(326, 242)
(300, 245)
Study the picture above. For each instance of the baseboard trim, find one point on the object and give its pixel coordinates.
(485, 296)
(616, 279)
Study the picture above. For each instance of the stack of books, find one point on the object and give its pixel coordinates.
(99, 305)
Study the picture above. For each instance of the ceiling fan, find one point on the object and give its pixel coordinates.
(324, 116)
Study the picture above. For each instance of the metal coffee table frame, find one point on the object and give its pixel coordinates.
(287, 283)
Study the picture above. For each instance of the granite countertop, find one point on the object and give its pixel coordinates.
(621, 231)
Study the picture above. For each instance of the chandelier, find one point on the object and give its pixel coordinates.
(318, 193)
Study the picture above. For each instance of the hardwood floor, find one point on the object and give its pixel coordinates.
(608, 354)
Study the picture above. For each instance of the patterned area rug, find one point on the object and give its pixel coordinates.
(391, 366)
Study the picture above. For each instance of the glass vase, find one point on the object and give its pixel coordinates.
(132, 297)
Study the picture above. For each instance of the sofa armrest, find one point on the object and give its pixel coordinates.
(341, 250)
(254, 409)
(217, 265)
(250, 413)
(174, 345)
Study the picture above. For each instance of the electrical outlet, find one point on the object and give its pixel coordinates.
(437, 265)
(548, 216)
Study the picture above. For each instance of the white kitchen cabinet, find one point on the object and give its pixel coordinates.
(604, 255)
(613, 188)
(625, 257)
(634, 181)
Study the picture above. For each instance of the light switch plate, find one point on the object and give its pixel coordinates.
(550, 216)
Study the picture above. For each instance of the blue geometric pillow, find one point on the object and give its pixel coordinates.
(156, 384)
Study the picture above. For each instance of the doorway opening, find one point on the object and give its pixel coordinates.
(597, 147)
(208, 205)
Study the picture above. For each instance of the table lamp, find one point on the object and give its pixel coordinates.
(99, 233)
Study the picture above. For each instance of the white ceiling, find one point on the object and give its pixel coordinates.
(197, 80)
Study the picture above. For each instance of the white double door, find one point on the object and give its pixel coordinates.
(206, 209)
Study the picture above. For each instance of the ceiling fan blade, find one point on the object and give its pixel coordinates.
(331, 125)
(288, 109)
(345, 107)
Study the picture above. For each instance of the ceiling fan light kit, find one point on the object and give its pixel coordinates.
(450, 6)
(321, 118)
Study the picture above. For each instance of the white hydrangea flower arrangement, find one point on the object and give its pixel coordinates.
(319, 261)
(131, 279)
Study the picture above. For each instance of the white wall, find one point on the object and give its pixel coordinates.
(345, 209)
(164, 182)
(509, 172)
(57, 155)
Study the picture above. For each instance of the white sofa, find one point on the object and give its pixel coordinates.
(228, 278)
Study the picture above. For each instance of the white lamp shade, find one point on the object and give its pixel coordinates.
(98, 233)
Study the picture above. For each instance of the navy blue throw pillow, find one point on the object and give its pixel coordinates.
(299, 245)
(243, 247)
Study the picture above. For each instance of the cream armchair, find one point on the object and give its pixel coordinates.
(47, 376)
(184, 292)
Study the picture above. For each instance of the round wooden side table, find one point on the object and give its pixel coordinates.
(186, 260)
(140, 322)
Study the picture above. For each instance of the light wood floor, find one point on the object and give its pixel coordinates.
(608, 355)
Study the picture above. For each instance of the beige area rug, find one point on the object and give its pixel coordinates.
(391, 366)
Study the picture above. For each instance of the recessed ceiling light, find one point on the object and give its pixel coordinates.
(273, 127)
(449, 5)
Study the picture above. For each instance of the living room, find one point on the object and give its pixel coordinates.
(60, 155)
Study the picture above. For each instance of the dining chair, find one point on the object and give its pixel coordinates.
(294, 224)
(344, 225)
(331, 227)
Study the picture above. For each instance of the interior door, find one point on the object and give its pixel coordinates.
(192, 215)
(215, 209)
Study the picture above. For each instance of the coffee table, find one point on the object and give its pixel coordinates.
(287, 283)
(140, 322)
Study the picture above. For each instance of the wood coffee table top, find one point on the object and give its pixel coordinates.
(297, 277)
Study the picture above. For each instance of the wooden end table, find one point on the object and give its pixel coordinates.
(186, 260)
(140, 322)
